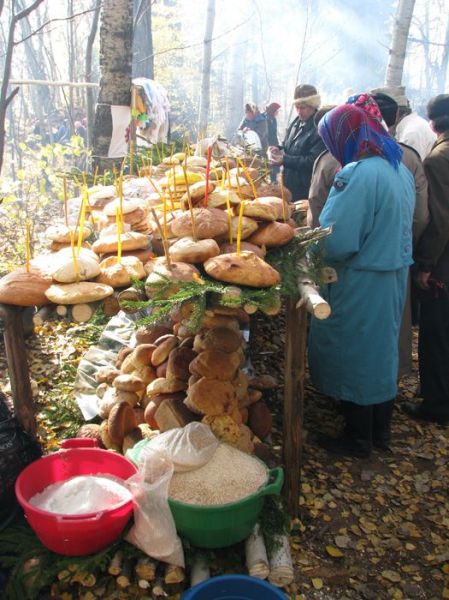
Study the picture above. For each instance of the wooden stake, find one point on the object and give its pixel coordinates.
(209, 155)
(189, 200)
(164, 241)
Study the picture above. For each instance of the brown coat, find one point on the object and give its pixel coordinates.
(324, 170)
(432, 252)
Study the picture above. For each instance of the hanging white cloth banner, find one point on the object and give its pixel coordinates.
(121, 118)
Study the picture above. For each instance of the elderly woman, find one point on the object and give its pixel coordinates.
(302, 144)
(353, 355)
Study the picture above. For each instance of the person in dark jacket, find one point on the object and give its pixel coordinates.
(271, 113)
(257, 122)
(302, 144)
(432, 259)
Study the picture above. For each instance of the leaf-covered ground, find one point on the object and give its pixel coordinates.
(368, 529)
(371, 529)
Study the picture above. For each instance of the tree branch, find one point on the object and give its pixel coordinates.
(199, 43)
(85, 12)
(11, 96)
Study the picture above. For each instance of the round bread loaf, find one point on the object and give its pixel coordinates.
(209, 223)
(246, 269)
(272, 234)
(78, 293)
(189, 251)
(130, 240)
(20, 288)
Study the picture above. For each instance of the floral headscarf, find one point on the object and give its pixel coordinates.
(367, 103)
(350, 133)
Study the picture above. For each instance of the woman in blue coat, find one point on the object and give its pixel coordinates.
(353, 355)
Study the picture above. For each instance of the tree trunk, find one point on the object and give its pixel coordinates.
(235, 87)
(5, 96)
(205, 72)
(90, 92)
(393, 76)
(143, 59)
(116, 32)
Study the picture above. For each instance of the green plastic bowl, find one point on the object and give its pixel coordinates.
(222, 525)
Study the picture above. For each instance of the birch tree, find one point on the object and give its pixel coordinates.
(395, 67)
(116, 36)
(206, 67)
(6, 96)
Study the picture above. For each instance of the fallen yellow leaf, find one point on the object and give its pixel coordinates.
(317, 583)
(333, 551)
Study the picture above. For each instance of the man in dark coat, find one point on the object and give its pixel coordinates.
(432, 258)
(302, 144)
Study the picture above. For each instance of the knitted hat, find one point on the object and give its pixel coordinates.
(438, 107)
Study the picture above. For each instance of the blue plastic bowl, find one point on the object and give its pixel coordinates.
(234, 587)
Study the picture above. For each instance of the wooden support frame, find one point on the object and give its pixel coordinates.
(294, 375)
(19, 374)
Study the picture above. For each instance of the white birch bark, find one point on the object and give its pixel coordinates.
(404, 13)
(205, 71)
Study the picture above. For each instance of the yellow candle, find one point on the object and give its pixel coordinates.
(75, 260)
(189, 200)
(165, 217)
(66, 220)
(281, 182)
(119, 235)
(239, 227)
(95, 175)
(229, 211)
(248, 177)
(174, 184)
(104, 177)
(82, 220)
(27, 247)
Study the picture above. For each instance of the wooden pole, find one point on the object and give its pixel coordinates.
(19, 374)
(295, 352)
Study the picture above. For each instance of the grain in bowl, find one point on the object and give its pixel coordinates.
(229, 476)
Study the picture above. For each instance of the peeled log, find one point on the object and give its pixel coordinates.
(314, 303)
(82, 312)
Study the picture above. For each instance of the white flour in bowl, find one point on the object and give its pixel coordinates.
(81, 495)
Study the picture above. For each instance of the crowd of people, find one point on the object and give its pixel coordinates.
(378, 174)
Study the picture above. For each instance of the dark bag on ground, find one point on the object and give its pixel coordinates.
(17, 450)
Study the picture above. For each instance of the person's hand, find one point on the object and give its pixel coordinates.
(275, 156)
(423, 280)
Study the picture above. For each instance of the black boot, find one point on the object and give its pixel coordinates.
(382, 424)
(357, 437)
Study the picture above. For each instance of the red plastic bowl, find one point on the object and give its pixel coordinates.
(74, 535)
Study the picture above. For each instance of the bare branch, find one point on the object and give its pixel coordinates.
(199, 43)
(11, 96)
(53, 21)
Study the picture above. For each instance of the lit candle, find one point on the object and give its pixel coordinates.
(248, 177)
(229, 211)
(281, 183)
(66, 218)
(209, 155)
(239, 227)
(174, 184)
(82, 220)
(75, 260)
(27, 247)
(119, 235)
